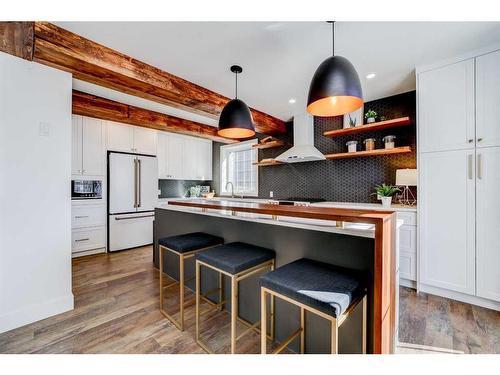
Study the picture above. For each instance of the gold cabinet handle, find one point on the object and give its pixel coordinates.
(469, 166)
(479, 166)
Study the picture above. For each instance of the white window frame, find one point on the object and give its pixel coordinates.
(224, 167)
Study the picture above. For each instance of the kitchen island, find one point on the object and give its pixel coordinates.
(365, 240)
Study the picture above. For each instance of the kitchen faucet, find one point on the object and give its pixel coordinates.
(232, 188)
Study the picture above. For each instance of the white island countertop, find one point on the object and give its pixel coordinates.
(352, 229)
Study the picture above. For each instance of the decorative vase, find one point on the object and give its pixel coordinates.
(386, 201)
(370, 120)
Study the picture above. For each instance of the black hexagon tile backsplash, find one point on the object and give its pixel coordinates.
(341, 180)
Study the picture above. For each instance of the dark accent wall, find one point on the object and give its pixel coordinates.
(342, 180)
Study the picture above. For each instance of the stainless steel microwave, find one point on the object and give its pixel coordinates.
(86, 189)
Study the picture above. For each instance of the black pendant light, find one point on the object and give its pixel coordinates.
(335, 88)
(235, 120)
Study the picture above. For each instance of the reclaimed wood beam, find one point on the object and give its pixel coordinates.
(95, 63)
(17, 38)
(94, 106)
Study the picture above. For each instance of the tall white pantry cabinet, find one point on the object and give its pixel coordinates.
(459, 178)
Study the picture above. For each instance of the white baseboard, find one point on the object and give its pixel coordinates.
(33, 313)
(473, 300)
(89, 252)
(408, 283)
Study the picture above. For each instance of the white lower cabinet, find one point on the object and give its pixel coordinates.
(88, 239)
(88, 223)
(88, 215)
(447, 221)
(408, 245)
(487, 223)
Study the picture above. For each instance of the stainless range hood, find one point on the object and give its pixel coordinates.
(303, 142)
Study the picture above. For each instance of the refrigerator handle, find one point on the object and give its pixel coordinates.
(139, 182)
(135, 183)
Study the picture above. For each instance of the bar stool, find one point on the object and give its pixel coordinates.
(185, 246)
(326, 290)
(237, 260)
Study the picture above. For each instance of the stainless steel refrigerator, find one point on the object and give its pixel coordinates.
(133, 195)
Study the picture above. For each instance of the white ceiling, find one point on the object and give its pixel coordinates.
(279, 58)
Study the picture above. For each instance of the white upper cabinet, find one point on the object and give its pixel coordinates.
(446, 108)
(93, 147)
(447, 207)
(182, 157)
(197, 159)
(144, 140)
(488, 99)
(488, 223)
(120, 137)
(87, 147)
(190, 158)
(173, 156)
(133, 139)
(76, 145)
(205, 165)
(169, 156)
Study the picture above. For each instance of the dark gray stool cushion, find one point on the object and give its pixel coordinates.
(325, 287)
(190, 241)
(236, 256)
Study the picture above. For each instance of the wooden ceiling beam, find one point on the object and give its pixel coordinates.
(95, 63)
(17, 38)
(94, 106)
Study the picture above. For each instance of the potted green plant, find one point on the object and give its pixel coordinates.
(370, 116)
(385, 192)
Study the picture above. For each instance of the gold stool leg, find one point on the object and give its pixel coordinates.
(303, 330)
(263, 322)
(273, 314)
(197, 297)
(234, 312)
(181, 291)
(161, 276)
(221, 290)
(335, 337)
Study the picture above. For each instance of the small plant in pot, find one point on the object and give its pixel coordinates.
(370, 116)
(385, 192)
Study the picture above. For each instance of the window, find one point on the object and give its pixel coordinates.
(236, 167)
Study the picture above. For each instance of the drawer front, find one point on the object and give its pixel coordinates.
(409, 218)
(88, 216)
(408, 265)
(88, 239)
(408, 239)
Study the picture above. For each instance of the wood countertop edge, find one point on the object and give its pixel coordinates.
(306, 212)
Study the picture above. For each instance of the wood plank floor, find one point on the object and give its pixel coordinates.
(116, 311)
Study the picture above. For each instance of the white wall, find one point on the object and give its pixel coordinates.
(35, 201)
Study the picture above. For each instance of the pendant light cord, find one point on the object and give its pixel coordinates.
(333, 38)
(236, 85)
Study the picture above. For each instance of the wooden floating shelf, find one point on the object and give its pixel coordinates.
(382, 151)
(266, 163)
(402, 121)
(271, 144)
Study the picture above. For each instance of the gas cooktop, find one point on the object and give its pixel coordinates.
(295, 201)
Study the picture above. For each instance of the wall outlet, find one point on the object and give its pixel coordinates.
(271, 194)
(44, 129)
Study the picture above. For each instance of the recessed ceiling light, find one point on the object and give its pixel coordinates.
(292, 101)
(371, 75)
